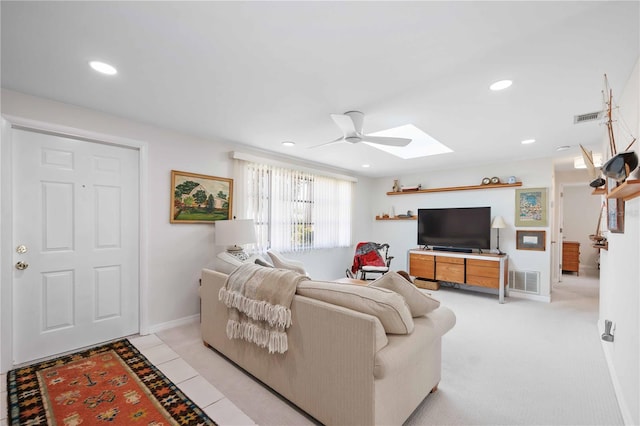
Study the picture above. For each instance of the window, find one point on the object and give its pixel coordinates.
(296, 210)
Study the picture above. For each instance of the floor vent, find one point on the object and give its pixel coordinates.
(525, 281)
(583, 118)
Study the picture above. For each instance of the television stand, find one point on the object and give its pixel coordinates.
(453, 249)
(475, 269)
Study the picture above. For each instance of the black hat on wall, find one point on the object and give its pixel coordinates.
(620, 165)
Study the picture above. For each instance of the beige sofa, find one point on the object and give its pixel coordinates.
(341, 368)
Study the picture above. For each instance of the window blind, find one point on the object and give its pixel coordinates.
(296, 210)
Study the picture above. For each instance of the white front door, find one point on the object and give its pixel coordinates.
(76, 214)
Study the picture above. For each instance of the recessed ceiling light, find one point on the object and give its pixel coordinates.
(563, 148)
(288, 143)
(103, 68)
(501, 85)
(527, 141)
(366, 166)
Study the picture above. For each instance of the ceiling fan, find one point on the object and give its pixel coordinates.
(351, 123)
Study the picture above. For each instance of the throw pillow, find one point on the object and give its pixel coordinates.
(388, 306)
(261, 262)
(419, 303)
(281, 262)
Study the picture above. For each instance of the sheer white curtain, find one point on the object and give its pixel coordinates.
(296, 210)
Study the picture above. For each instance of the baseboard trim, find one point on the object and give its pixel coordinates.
(617, 387)
(536, 297)
(155, 328)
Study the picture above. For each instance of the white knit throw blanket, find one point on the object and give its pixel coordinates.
(259, 301)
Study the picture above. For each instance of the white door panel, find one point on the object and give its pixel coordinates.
(76, 211)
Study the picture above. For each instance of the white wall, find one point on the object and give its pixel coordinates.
(402, 235)
(177, 252)
(619, 280)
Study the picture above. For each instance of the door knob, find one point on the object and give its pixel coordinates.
(22, 265)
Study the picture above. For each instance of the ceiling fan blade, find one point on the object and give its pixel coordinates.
(383, 140)
(340, 139)
(358, 120)
(345, 123)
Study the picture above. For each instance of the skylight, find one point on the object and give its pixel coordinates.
(422, 145)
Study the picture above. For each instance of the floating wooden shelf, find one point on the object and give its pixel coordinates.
(604, 246)
(628, 190)
(458, 188)
(396, 218)
(599, 191)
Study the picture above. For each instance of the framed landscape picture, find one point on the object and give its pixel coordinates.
(531, 207)
(200, 198)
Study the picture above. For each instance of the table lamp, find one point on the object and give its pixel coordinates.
(234, 233)
(498, 222)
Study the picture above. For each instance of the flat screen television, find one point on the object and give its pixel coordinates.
(463, 228)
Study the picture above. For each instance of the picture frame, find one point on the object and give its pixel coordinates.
(197, 198)
(531, 207)
(615, 210)
(531, 240)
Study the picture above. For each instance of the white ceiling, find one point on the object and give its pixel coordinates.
(259, 73)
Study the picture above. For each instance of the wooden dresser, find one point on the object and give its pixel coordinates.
(571, 256)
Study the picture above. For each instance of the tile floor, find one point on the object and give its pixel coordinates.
(195, 386)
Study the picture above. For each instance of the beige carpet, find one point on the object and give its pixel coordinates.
(523, 362)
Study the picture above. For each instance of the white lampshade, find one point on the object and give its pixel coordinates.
(235, 232)
(498, 222)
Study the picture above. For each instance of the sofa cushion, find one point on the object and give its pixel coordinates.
(419, 303)
(386, 305)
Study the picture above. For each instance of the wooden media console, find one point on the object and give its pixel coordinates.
(477, 269)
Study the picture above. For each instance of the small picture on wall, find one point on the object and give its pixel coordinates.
(200, 198)
(615, 210)
(530, 240)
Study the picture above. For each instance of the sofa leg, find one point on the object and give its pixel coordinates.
(435, 388)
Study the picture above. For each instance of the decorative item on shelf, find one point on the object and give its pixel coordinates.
(597, 238)
(234, 233)
(411, 188)
(486, 181)
(495, 180)
(396, 186)
(406, 216)
(498, 223)
(511, 180)
(595, 180)
(622, 164)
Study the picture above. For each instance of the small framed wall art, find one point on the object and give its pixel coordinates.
(200, 198)
(615, 210)
(530, 240)
(531, 207)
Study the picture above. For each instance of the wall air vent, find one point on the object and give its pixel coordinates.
(591, 116)
(525, 281)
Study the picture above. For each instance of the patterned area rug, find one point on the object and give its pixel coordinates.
(113, 384)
